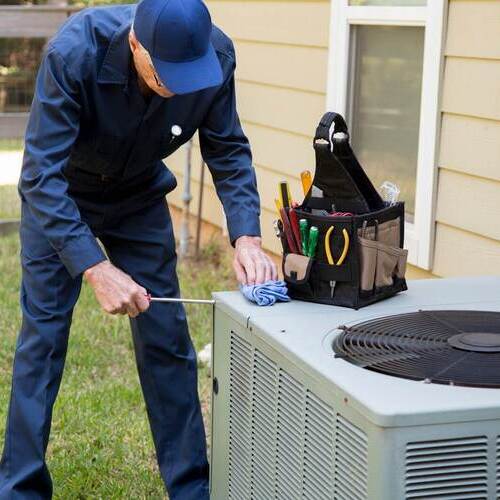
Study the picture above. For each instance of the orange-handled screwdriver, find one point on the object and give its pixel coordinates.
(306, 179)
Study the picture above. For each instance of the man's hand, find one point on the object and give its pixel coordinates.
(251, 264)
(116, 291)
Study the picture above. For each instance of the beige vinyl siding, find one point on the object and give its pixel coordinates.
(461, 253)
(282, 60)
(468, 202)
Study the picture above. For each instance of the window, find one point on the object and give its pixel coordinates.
(384, 104)
(384, 76)
(19, 61)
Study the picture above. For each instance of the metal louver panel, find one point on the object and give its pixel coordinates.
(498, 466)
(451, 469)
(289, 458)
(318, 449)
(282, 436)
(240, 419)
(265, 386)
(351, 455)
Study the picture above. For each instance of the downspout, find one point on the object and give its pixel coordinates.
(186, 201)
(199, 220)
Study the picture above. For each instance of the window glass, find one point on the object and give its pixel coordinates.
(384, 113)
(395, 3)
(19, 61)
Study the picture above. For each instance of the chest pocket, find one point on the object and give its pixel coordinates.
(111, 153)
(168, 144)
(103, 155)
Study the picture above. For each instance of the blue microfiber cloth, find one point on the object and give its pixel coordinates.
(266, 294)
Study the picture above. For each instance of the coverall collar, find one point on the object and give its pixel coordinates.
(116, 64)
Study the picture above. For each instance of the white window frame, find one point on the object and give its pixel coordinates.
(419, 235)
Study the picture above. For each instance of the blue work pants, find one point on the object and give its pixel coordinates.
(142, 245)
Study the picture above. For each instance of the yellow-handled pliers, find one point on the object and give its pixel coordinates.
(328, 249)
(329, 255)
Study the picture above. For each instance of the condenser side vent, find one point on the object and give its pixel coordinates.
(448, 469)
(240, 419)
(319, 436)
(498, 466)
(284, 441)
(265, 386)
(351, 452)
(289, 458)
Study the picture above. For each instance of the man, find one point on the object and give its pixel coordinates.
(106, 101)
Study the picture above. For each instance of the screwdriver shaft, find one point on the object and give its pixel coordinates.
(183, 301)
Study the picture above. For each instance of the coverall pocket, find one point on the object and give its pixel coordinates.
(168, 144)
(112, 151)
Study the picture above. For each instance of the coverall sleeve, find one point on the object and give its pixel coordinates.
(52, 128)
(226, 150)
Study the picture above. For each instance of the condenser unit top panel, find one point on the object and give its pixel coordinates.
(304, 333)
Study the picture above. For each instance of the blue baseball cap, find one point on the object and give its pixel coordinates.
(176, 33)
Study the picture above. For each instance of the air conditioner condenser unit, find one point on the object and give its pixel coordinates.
(400, 400)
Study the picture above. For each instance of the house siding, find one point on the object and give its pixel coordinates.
(468, 202)
(282, 51)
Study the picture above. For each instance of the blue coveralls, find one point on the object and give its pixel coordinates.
(92, 169)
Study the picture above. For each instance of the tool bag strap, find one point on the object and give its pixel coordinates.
(338, 173)
(323, 130)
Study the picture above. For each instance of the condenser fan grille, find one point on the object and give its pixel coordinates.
(445, 347)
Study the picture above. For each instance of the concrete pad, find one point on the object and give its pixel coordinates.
(10, 167)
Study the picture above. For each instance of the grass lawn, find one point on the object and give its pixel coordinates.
(12, 144)
(100, 444)
(10, 204)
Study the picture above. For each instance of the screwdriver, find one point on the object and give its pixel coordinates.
(180, 301)
(285, 196)
(306, 179)
(304, 236)
(312, 241)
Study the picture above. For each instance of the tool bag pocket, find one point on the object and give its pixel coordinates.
(380, 256)
(318, 280)
(297, 268)
(367, 263)
(311, 280)
(391, 262)
(297, 272)
(379, 264)
(361, 260)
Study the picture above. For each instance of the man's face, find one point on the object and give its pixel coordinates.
(145, 68)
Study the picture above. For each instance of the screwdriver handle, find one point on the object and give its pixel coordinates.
(306, 179)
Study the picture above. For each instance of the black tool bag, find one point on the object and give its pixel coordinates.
(375, 264)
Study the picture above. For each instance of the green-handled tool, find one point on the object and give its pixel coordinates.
(313, 241)
(304, 235)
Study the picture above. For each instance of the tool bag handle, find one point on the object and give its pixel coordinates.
(323, 129)
(338, 172)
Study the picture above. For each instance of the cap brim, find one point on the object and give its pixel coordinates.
(191, 76)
